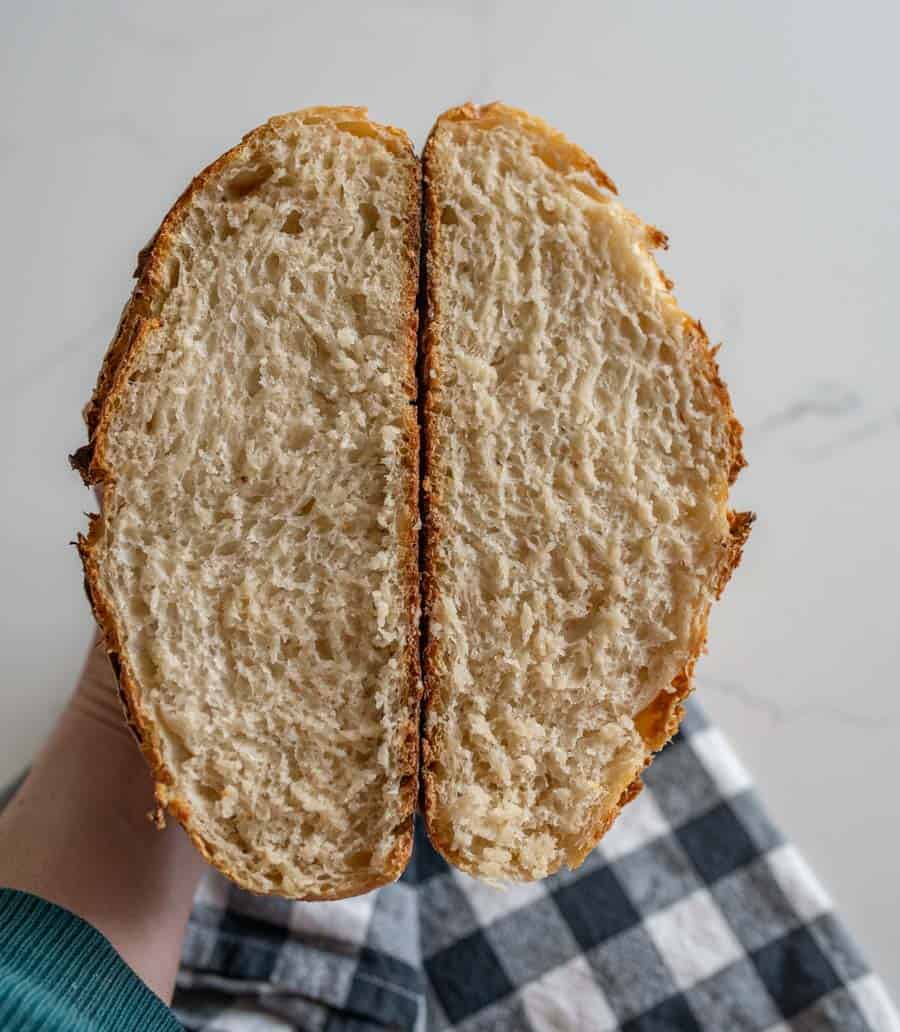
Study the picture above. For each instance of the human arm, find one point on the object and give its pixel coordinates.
(77, 834)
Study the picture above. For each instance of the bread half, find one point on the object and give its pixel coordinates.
(254, 569)
(579, 446)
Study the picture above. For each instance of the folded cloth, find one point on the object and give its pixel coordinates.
(692, 913)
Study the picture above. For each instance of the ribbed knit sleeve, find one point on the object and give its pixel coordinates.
(57, 972)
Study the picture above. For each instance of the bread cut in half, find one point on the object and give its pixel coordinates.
(579, 446)
(254, 569)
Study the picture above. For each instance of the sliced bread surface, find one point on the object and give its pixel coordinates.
(579, 446)
(254, 568)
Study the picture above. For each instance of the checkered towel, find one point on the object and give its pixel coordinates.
(693, 913)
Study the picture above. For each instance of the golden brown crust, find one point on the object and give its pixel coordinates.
(410, 545)
(658, 721)
(138, 318)
(431, 528)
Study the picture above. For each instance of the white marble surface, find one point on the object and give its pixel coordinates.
(761, 136)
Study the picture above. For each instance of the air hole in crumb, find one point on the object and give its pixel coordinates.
(645, 396)
(207, 792)
(648, 325)
(306, 508)
(579, 628)
(360, 860)
(254, 383)
(370, 219)
(358, 301)
(323, 649)
(174, 270)
(246, 182)
(270, 529)
(449, 217)
(551, 217)
(213, 296)
(228, 548)
(273, 267)
(479, 842)
(298, 437)
(292, 224)
(587, 547)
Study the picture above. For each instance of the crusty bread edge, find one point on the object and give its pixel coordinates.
(659, 721)
(89, 461)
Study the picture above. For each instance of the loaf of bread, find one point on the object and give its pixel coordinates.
(254, 569)
(578, 450)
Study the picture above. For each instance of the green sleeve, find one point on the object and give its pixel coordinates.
(57, 972)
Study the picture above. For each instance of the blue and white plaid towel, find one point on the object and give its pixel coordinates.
(693, 913)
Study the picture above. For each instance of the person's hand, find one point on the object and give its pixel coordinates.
(77, 833)
(96, 698)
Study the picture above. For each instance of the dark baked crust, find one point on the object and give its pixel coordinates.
(138, 318)
(660, 720)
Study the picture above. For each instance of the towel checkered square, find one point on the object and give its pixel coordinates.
(692, 913)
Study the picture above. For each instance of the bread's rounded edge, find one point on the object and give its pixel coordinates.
(429, 386)
(134, 324)
(659, 721)
(136, 718)
(409, 535)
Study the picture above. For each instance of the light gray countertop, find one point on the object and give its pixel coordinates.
(761, 137)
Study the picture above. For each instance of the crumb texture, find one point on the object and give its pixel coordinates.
(258, 538)
(578, 466)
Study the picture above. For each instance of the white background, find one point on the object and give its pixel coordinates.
(763, 137)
